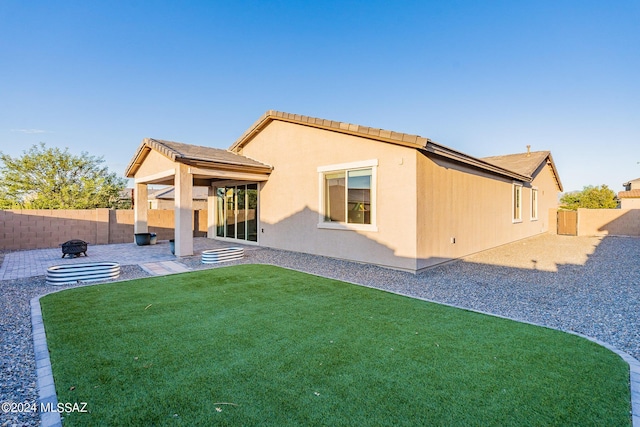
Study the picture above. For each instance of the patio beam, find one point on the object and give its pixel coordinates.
(241, 176)
(156, 177)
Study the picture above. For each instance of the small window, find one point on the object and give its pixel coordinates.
(347, 193)
(534, 204)
(517, 202)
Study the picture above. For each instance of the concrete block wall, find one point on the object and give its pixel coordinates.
(38, 229)
(608, 222)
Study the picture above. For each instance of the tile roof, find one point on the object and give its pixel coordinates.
(415, 141)
(192, 154)
(525, 163)
(408, 140)
(631, 194)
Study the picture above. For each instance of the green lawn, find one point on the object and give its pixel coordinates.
(261, 345)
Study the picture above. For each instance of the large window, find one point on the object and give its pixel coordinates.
(534, 203)
(348, 195)
(517, 202)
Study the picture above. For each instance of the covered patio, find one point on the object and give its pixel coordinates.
(185, 166)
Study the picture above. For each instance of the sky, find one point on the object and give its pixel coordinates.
(483, 77)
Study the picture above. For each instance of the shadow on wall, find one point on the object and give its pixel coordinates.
(299, 232)
(627, 224)
(41, 229)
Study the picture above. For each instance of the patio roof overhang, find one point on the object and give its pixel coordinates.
(205, 164)
(185, 166)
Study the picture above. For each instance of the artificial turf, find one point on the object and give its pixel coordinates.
(262, 345)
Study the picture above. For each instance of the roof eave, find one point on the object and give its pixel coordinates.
(457, 156)
(552, 164)
(406, 140)
(138, 158)
(232, 166)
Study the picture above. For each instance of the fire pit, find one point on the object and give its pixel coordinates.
(74, 248)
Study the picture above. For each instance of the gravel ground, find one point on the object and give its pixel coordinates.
(589, 285)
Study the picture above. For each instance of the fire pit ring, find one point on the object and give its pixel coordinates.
(74, 248)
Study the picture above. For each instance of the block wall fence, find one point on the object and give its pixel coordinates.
(39, 229)
(608, 222)
(602, 222)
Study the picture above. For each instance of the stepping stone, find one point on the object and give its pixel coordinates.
(163, 268)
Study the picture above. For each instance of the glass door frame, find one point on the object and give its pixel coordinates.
(222, 217)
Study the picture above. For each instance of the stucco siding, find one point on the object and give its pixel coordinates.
(290, 199)
(154, 163)
(462, 211)
(630, 203)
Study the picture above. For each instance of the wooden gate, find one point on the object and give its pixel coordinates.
(568, 223)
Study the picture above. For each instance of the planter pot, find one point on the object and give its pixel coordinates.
(154, 239)
(172, 246)
(143, 239)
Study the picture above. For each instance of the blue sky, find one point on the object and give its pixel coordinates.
(483, 77)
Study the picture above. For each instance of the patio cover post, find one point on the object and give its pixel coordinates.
(211, 213)
(183, 228)
(140, 213)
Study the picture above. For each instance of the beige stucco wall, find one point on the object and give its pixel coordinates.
(474, 208)
(154, 163)
(422, 202)
(629, 203)
(614, 222)
(170, 204)
(289, 200)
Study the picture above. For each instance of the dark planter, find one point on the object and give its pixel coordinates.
(143, 239)
(172, 246)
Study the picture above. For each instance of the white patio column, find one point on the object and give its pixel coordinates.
(141, 207)
(211, 212)
(183, 211)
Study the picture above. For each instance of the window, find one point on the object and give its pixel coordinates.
(534, 204)
(348, 195)
(517, 202)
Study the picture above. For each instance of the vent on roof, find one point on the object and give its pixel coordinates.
(528, 151)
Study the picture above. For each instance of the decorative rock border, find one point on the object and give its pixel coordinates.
(83, 272)
(222, 255)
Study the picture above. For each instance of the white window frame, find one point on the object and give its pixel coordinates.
(534, 204)
(516, 219)
(346, 167)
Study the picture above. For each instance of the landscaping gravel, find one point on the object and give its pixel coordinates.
(588, 285)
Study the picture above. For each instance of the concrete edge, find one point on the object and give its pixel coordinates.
(47, 397)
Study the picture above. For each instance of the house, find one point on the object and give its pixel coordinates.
(164, 198)
(341, 190)
(630, 198)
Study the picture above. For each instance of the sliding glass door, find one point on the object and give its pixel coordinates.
(237, 212)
